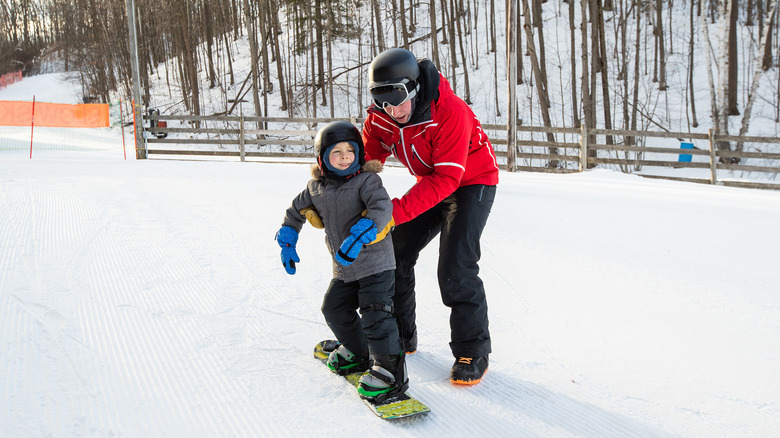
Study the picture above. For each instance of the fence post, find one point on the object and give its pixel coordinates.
(713, 162)
(241, 150)
(584, 148)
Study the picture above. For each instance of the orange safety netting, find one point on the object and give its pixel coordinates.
(10, 78)
(54, 115)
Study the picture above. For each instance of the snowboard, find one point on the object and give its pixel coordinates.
(400, 406)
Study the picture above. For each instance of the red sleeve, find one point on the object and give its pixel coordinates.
(371, 143)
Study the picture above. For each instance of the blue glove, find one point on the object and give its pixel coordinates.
(287, 237)
(364, 231)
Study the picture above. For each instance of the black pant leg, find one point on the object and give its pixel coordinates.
(377, 318)
(466, 212)
(339, 306)
(409, 239)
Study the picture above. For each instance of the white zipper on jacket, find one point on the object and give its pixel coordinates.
(414, 151)
(403, 148)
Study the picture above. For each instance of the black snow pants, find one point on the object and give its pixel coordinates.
(460, 219)
(375, 331)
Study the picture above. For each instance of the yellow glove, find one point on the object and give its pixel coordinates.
(313, 217)
(381, 234)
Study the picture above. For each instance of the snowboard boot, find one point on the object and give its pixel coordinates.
(410, 344)
(386, 378)
(468, 370)
(342, 361)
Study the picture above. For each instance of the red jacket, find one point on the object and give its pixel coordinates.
(446, 150)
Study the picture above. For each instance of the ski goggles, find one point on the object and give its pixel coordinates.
(393, 94)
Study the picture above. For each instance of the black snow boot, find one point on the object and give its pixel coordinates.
(386, 378)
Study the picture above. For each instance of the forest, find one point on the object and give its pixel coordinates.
(622, 64)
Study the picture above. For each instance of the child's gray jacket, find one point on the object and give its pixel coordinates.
(340, 204)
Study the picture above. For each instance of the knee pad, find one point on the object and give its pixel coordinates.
(377, 308)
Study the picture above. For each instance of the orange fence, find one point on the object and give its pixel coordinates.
(10, 78)
(54, 115)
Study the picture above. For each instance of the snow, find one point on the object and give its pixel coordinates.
(146, 298)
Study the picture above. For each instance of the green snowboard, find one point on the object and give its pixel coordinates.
(401, 406)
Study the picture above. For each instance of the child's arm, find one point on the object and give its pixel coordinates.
(287, 236)
(379, 207)
(295, 215)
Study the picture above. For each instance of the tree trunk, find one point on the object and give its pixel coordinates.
(541, 81)
(690, 68)
(493, 27)
(434, 37)
(768, 52)
(587, 99)
(573, 66)
(317, 23)
(603, 69)
(380, 33)
(733, 85)
(536, 9)
(659, 35)
(772, 11)
(404, 28)
(519, 53)
(710, 80)
(456, 13)
(329, 42)
(635, 95)
(209, 27)
(251, 31)
(273, 25)
(190, 62)
(453, 48)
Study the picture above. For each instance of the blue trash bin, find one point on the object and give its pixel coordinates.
(685, 158)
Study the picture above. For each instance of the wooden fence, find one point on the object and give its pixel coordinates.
(755, 163)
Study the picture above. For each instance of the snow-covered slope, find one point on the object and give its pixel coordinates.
(146, 298)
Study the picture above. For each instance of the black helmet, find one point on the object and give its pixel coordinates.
(336, 132)
(393, 77)
(393, 66)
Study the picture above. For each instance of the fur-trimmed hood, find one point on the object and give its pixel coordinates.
(374, 166)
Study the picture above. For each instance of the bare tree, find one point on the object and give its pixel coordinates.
(587, 98)
(602, 44)
(540, 80)
(573, 65)
(457, 13)
(434, 38)
(274, 29)
(377, 13)
(733, 74)
(404, 28)
(660, 37)
(772, 12)
(690, 66)
(251, 31)
(317, 23)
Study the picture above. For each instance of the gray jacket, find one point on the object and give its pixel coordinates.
(340, 204)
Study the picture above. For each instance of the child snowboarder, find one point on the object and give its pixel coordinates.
(348, 196)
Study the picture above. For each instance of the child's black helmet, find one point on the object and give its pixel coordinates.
(336, 132)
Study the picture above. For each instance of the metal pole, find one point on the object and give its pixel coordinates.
(140, 147)
(511, 43)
